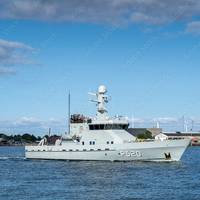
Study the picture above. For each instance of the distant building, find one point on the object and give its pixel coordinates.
(194, 136)
(3, 141)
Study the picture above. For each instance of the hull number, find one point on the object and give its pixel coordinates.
(131, 153)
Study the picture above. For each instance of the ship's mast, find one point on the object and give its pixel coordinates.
(101, 100)
(69, 112)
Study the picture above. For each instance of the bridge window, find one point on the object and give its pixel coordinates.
(102, 127)
(83, 143)
(108, 126)
(96, 127)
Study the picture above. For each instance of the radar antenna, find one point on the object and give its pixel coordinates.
(101, 100)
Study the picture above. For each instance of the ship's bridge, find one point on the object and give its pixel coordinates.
(109, 124)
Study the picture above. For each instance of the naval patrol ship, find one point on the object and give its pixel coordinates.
(105, 139)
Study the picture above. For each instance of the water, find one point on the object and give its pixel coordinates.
(45, 180)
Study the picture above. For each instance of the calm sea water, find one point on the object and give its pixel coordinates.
(25, 179)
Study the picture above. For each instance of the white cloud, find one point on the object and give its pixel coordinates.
(144, 18)
(27, 121)
(14, 45)
(33, 125)
(193, 27)
(11, 54)
(166, 119)
(6, 71)
(59, 126)
(136, 120)
(163, 120)
(104, 11)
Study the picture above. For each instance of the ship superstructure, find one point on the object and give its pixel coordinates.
(105, 138)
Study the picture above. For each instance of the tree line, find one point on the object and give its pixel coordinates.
(20, 138)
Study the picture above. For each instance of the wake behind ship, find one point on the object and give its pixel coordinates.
(104, 138)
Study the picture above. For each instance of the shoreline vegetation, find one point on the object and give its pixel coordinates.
(25, 139)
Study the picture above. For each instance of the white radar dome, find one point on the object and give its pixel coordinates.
(102, 89)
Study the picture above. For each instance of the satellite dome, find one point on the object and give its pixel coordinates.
(102, 89)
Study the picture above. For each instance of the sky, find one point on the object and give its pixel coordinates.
(146, 52)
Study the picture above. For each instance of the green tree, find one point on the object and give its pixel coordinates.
(29, 138)
(146, 135)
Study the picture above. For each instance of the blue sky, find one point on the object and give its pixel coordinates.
(150, 65)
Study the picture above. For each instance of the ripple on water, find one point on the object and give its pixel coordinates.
(38, 179)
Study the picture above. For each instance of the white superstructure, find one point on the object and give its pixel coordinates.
(105, 138)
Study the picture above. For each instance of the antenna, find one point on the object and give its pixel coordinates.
(49, 132)
(192, 125)
(69, 112)
(183, 123)
(157, 124)
(132, 121)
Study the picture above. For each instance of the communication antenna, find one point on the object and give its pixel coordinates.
(133, 121)
(69, 112)
(192, 125)
(158, 124)
(183, 123)
(49, 132)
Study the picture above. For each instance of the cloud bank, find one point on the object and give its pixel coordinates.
(104, 11)
(59, 126)
(33, 125)
(6, 70)
(193, 27)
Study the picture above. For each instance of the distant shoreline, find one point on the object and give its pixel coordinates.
(12, 145)
(18, 145)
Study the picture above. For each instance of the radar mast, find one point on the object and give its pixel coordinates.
(101, 100)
